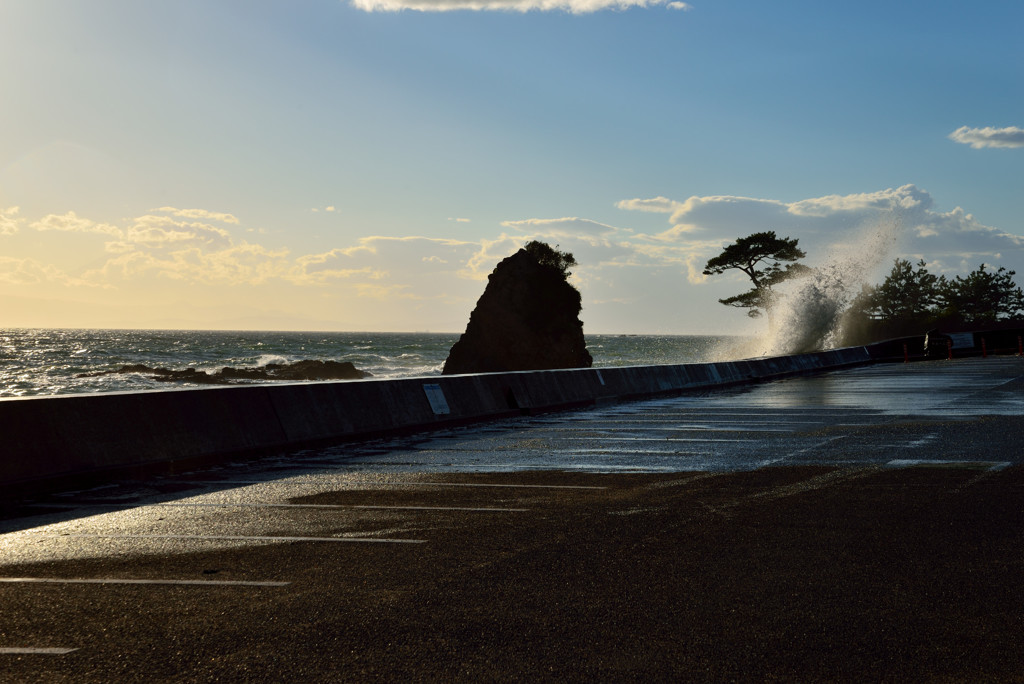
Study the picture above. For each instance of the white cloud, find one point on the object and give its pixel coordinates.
(571, 6)
(906, 198)
(9, 221)
(72, 223)
(158, 232)
(378, 258)
(658, 205)
(1011, 136)
(32, 272)
(568, 226)
(684, 6)
(904, 217)
(242, 264)
(202, 214)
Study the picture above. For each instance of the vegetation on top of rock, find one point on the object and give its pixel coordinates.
(546, 255)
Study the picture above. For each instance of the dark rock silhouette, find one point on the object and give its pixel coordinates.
(526, 319)
(300, 370)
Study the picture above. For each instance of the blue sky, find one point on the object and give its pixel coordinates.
(328, 165)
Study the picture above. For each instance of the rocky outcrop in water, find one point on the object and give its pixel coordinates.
(300, 370)
(526, 319)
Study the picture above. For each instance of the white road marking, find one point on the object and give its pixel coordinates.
(112, 580)
(230, 504)
(691, 427)
(613, 438)
(404, 484)
(484, 484)
(911, 462)
(359, 506)
(703, 420)
(227, 537)
(36, 651)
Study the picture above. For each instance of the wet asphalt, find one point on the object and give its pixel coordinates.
(862, 525)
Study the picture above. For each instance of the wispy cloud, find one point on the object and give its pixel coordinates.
(657, 205)
(1011, 136)
(72, 223)
(562, 226)
(571, 6)
(163, 232)
(201, 214)
(9, 221)
(32, 272)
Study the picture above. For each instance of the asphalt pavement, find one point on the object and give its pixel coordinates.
(861, 525)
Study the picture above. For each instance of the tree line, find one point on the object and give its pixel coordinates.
(910, 300)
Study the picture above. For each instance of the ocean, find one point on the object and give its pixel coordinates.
(36, 362)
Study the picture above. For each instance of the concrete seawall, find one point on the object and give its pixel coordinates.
(53, 441)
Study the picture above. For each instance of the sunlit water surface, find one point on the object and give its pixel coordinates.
(45, 362)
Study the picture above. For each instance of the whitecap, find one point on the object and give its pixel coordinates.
(267, 359)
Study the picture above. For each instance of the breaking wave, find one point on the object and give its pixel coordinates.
(807, 313)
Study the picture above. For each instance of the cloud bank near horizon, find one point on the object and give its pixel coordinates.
(628, 278)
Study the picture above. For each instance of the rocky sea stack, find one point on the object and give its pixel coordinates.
(526, 319)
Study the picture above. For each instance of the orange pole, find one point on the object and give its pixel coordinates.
(906, 355)
(984, 352)
(949, 348)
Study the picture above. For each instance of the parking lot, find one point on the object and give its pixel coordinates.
(863, 524)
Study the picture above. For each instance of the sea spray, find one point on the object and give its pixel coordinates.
(807, 312)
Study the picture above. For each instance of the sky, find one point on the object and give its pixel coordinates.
(364, 164)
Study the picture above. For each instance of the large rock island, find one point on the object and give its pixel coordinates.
(526, 319)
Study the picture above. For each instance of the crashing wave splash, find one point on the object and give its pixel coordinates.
(807, 314)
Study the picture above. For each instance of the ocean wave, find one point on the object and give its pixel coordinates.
(45, 362)
(267, 359)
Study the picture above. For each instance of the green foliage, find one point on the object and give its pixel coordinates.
(911, 300)
(983, 296)
(908, 294)
(766, 259)
(546, 255)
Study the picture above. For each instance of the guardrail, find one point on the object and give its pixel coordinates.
(52, 442)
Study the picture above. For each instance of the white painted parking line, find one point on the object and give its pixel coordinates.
(704, 420)
(910, 463)
(114, 580)
(692, 427)
(443, 508)
(35, 651)
(227, 537)
(350, 506)
(611, 438)
(231, 504)
(484, 484)
(363, 485)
